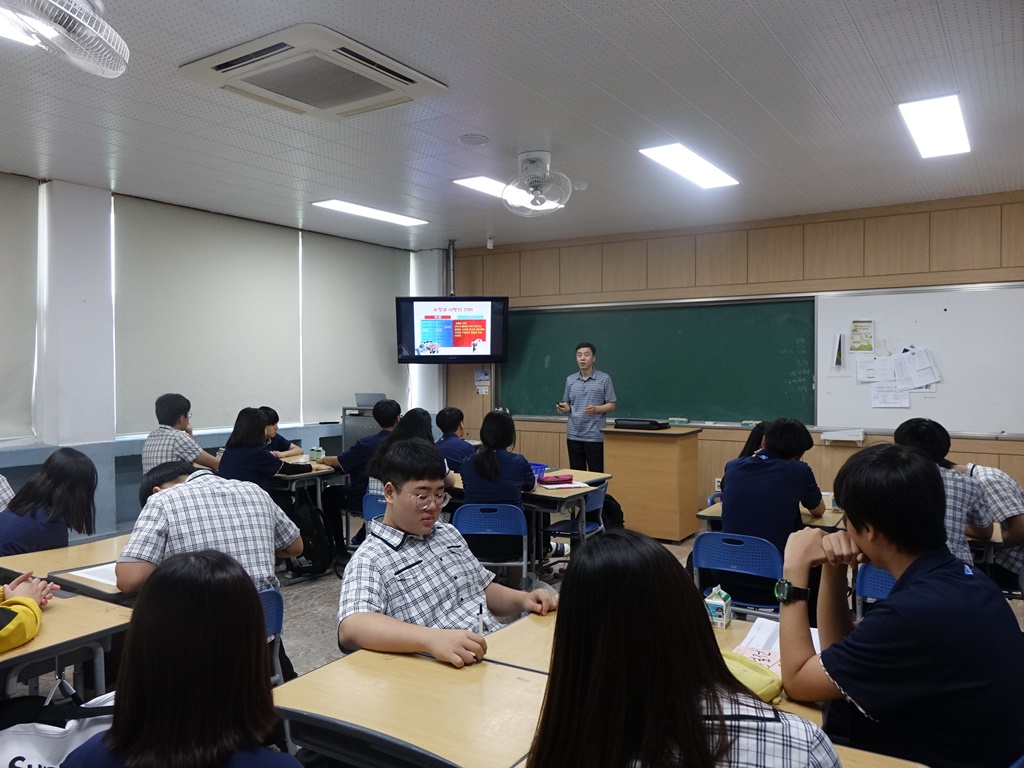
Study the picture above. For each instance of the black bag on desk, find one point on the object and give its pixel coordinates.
(317, 544)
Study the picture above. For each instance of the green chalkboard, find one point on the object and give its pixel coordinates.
(708, 362)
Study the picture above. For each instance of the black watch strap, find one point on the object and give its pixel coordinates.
(786, 593)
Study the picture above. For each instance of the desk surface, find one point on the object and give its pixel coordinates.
(65, 558)
(303, 459)
(483, 715)
(831, 519)
(669, 432)
(67, 622)
(524, 643)
(540, 493)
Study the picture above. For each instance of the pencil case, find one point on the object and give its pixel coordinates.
(761, 682)
(555, 479)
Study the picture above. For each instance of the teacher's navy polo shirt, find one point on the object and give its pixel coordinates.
(762, 496)
(937, 668)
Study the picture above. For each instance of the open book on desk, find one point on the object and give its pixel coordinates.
(762, 644)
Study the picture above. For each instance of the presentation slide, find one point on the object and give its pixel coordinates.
(455, 328)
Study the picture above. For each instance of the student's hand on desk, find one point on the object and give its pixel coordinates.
(540, 601)
(318, 467)
(457, 647)
(26, 586)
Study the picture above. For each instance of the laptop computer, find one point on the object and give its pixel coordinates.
(369, 399)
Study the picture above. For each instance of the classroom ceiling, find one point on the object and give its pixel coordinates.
(794, 98)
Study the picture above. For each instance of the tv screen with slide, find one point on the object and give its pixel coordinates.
(452, 329)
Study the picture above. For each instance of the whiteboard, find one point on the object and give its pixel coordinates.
(976, 337)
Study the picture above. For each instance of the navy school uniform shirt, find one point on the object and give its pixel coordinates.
(278, 443)
(354, 460)
(254, 464)
(455, 450)
(937, 669)
(514, 477)
(30, 532)
(763, 496)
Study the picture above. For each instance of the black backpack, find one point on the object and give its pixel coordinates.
(317, 543)
(612, 513)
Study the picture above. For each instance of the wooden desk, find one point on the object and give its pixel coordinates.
(374, 709)
(984, 550)
(832, 520)
(294, 482)
(525, 643)
(69, 624)
(64, 558)
(858, 758)
(656, 478)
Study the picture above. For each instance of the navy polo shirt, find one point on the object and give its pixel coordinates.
(354, 460)
(279, 443)
(455, 450)
(937, 669)
(254, 464)
(514, 476)
(30, 532)
(763, 496)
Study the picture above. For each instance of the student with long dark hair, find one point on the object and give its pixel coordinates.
(495, 475)
(201, 703)
(58, 497)
(246, 456)
(671, 703)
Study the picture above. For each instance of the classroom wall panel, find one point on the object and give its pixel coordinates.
(672, 262)
(624, 266)
(722, 258)
(501, 274)
(775, 254)
(579, 269)
(469, 278)
(205, 305)
(1013, 235)
(896, 245)
(348, 323)
(538, 272)
(19, 216)
(966, 239)
(834, 249)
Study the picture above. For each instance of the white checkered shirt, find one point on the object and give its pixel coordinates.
(764, 736)
(965, 503)
(432, 580)
(168, 444)
(1005, 500)
(209, 512)
(6, 492)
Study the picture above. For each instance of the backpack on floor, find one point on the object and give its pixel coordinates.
(317, 544)
(612, 513)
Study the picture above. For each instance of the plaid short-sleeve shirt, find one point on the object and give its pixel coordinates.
(209, 512)
(1005, 500)
(6, 492)
(168, 444)
(432, 580)
(965, 503)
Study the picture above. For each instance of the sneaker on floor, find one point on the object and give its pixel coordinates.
(558, 550)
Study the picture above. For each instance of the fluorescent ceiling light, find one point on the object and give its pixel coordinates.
(937, 126)
(370, 213)
(689, 165)
(494, 188)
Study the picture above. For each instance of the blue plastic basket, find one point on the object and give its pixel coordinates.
(538, 470)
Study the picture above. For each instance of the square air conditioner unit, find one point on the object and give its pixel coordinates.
(311, 70)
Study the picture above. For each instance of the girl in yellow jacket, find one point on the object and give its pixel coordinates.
(21, 604)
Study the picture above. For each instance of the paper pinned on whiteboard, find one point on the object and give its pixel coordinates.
(862, 336)
(915, 368)
(837, 351)
(886, 395)
(871, 369)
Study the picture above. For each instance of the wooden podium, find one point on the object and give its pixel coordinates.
(655, 479)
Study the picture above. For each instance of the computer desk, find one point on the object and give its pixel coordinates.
(375, 709)
(69, 624)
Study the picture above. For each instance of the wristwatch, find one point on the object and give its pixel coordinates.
(786, 593)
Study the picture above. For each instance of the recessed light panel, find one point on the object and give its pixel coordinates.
(497, 189)
(690, 165)
(937, 126)
(370, 213)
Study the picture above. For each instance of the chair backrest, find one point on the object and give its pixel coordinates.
(499, 519)
(873, 582)
(273, 611)
(738, 553)
(714, 498)
(595, 499)
(373, 506)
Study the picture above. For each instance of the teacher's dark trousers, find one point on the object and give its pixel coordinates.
(586, 455)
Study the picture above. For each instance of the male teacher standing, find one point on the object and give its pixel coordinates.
(589, 396)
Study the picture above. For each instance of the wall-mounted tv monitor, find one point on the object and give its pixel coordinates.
(452, 329)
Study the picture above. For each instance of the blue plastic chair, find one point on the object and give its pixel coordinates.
(494, 520)
(714, 498)
(373, 506)
(592, 520)
(871, 583)
(739, 554)
(273, 618)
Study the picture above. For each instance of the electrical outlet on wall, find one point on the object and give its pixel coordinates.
(718, 484)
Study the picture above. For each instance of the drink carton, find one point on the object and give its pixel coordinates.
(719, 605)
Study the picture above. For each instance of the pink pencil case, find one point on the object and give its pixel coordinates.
(555, 479)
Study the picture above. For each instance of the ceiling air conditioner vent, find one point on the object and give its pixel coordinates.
(312, 70)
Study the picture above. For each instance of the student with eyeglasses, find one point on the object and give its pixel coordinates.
(414, 586)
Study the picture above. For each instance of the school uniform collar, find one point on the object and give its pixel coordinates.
(393, 537)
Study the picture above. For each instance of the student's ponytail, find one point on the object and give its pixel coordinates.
(497, 431)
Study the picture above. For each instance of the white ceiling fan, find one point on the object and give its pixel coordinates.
(537, 190)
